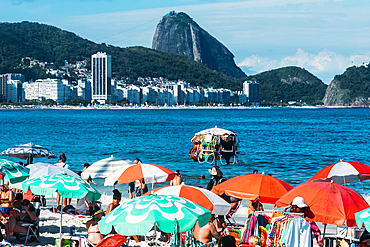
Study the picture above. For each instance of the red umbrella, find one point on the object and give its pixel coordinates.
(251, 186)
(329, 202)
(200, 196)
(151, 174)
(343, 172)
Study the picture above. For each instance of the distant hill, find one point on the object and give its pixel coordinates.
(352, 88)
(178, 33)
(50, 44)
(289, 84)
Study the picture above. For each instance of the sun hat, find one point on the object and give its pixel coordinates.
(215, 171)
(299, 202)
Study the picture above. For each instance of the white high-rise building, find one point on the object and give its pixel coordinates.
(101, 70)
(252, 90)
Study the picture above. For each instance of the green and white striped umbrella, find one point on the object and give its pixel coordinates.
(68, 186)
(14, 172)
(169, 213)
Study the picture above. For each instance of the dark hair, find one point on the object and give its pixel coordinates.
(63, 158)
(86, 165)
(226, 241)
(178, 171)
(137, 160)
(19, 197)
(255, 171)
(117, 195)
(26, 202)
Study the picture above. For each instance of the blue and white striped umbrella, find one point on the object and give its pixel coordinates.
(25, 151)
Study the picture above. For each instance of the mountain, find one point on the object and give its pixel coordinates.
(352, 88)
(50, 44)
(177, 33)
(282, 85)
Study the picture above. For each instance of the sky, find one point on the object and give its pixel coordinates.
(323, 36)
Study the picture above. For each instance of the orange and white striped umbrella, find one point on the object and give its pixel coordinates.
(200, 196)
(151, 174)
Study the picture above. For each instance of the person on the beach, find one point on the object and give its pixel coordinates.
(14, 224)
(17, 204)
(62, 164)
(29, 161)
(256, 240)
(140, 188)
(206, 233)
(226, 241)
(86, 165)
(298, 206)
(254, 205)
(131, 185)
(92, 227)
(6, 199)
(116, 200)
(255, 171)
(177, 180)
(217, 177)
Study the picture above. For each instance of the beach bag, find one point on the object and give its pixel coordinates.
(66, 242)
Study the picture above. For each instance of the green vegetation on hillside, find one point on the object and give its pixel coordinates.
(356, 82)
(289, 84)
(50, 44)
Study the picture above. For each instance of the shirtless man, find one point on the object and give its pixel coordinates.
(177, 180)
(204, 234)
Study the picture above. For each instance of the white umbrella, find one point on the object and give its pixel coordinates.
(25, 151)
(41, 169)
(215, 131)
(103, 168)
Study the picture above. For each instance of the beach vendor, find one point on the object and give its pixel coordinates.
(6, 199)
(14, 224)
(116, 200)
(94, 235)
(298, 206)
(206, 233)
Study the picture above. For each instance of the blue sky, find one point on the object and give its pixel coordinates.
(324, 37)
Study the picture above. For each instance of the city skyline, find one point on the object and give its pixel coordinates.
(324, 37)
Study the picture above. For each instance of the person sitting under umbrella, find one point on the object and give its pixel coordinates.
(6, 199)
(94, 235)
(298, 206)
(116, 200)
(14, 224)
(206, 233)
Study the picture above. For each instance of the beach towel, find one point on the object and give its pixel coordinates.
(82, 216)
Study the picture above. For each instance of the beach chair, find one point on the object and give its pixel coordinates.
(229, 216)
(33, 229)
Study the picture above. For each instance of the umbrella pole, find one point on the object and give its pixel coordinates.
(323, 236)
(155, 233)
(60, 231)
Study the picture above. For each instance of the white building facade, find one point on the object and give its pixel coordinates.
(101, 70)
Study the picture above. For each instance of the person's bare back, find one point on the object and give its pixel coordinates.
(177, 180)
(206, 233)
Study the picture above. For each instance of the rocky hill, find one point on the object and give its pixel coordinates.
(352, 88)
(50, 44)
(178, 33)
(279, 86)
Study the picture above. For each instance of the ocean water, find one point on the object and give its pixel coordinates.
(290, 144)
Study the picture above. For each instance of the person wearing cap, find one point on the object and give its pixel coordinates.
(92, 226)
(298, 205)
(177, 180)
(116, 200)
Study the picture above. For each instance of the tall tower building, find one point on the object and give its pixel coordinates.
(252, 90)
(101, 71)
(4, 79)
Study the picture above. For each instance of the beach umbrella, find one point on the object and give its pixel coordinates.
(205, 198)
(68, 186)
(215, 131)
(343, 172)
(330, 203)
(42, 169)
(251, 186)
(103, 168)
(13, 172)
(363, 218)
(170, 213)
(151, 174)
(25, 151)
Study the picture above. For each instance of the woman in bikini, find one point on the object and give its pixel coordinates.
(93, 228)
(14, 224)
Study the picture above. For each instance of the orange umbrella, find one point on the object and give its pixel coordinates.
(251, 186)
(329, 202)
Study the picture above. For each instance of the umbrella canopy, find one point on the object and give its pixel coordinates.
(68, 186)
(250, 186)
(205, 198)
(215, 131)
(329, 202)
(151, 174)
(13, 171)
(363, 217)
(103, 168)
(169, 213)
(24, 151)
(42, 169)
(343, 172)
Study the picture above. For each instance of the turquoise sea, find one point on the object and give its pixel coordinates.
(290, 144)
